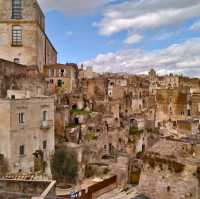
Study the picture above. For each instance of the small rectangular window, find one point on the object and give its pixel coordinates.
(44, 144)
(16, 36)
(44, 115)
(21, 118)
(16, 9)
(21, 150)
(59, 83)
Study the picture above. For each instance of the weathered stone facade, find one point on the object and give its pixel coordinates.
(87, 73)
(173, 104)
(27, 133)
(169, 171)
(35, 49)
(20, 77)
(142, 128)
(60, 78)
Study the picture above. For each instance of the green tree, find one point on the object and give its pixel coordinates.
(65, 165)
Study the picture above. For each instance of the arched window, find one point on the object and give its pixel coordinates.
(62, 72)
(16, 9)
(16, 35)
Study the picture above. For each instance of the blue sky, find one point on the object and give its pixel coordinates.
(126, 35)
(77, 39)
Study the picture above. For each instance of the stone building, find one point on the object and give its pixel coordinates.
(187, 127)
(117, 86)
(192, 83)
(173, 104)
(195, 104)
(153, 80)
(27, 133)
(170, 81)
(62, 119)
(87, 73)
(94, 88)
(152, 75)
(61, 78)
(22, 34)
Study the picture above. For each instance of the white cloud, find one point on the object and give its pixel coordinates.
(166, 35)
(195, 26)
(179, 58)
(147, 14)
(133, 39)
(73, 7)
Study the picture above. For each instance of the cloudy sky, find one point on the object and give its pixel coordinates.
(127, 35)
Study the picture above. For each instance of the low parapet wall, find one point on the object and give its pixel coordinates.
(8, 68)
(15, 189)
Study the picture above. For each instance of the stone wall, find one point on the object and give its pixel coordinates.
(36, 49)
(23, 189)
(29, 12)
(172, 104)
(170, 170)
(31, 134)
(51, 55)
(196, 104)
(40, 43)
(62, 118)
(159, 182)
(94, 88)
(16, 76)
(25, 53)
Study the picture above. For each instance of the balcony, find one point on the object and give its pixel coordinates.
(47, 124)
